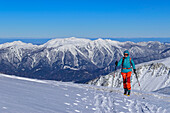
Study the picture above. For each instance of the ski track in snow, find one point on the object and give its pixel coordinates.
(30, 96)
(107, 103)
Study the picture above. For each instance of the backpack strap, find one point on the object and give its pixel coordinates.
(123, 61)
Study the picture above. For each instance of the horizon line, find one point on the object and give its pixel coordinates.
(75, 37)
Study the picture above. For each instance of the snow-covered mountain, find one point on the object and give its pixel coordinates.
(153, 76)
(73, 59)
(23, 95)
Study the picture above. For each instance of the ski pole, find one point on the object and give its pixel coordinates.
(114, 76)
(137, 80)
(114, 71)
(139, 85)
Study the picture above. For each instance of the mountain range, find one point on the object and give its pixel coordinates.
(74, 59)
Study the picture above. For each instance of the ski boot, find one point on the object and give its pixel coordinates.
(125, 91)
(128, 93)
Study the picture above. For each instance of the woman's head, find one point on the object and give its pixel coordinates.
(126, 53)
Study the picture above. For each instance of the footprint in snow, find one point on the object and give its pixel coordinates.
(84, 99)
(67, 104)
(4, 107)
(65, 89)
(77, 101)
(75, 104)
(125, 107)
(116, 104)
(66, 95)
(94, 109)
(77, 110)
(127, 104)
(56, 85)
(119, 100)
(78, 95)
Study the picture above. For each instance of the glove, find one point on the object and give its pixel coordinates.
(134, 71)
(116, 63)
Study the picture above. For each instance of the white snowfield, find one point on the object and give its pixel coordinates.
(165, 61)
(153, 76)
(23, 95)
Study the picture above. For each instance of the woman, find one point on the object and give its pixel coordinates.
(127, 65)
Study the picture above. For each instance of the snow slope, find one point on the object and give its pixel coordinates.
(152, 76)
(23, 95)
(165, 61)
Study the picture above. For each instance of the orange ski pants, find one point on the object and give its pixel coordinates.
(126, 80)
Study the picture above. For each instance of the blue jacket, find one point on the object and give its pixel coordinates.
(127, 63)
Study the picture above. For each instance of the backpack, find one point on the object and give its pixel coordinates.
(123, 62)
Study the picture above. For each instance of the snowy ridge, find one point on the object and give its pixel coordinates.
(39, 96)
(67, 41)
(165, 61)
(18, 44)
(152, 76)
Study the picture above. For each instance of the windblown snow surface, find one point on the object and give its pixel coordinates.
(153, 76)
(23, 95)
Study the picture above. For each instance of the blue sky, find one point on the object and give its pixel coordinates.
(84, 18)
